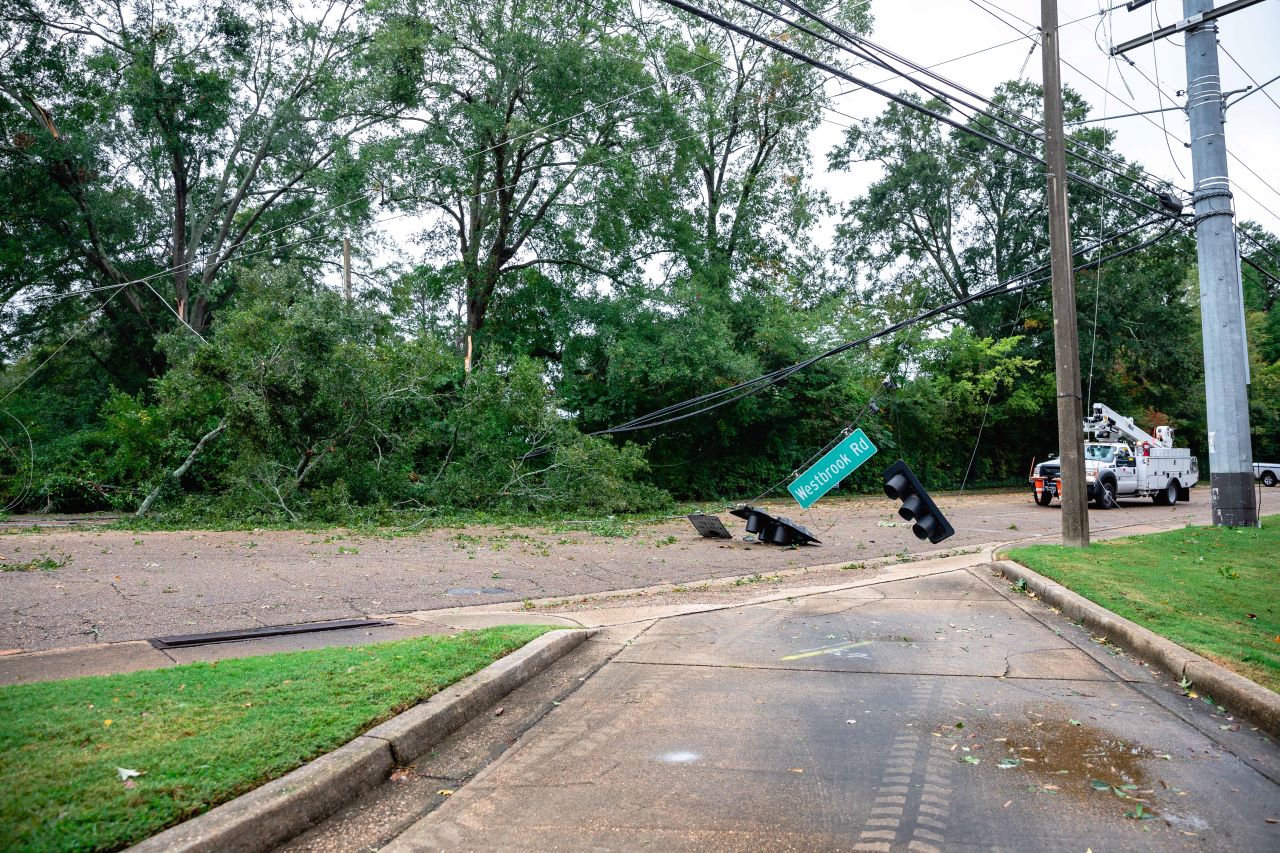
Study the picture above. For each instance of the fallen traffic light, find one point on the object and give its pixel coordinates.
(787, 532)
(772, 530)
(900, 483)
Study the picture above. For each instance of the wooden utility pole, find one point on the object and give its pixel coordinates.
(1066, 339)
(346, 269)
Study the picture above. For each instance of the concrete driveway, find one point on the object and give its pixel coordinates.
(932, 709)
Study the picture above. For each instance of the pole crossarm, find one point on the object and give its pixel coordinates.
(1184, 24)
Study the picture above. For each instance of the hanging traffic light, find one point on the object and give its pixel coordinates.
(771, 530)
(900, 483)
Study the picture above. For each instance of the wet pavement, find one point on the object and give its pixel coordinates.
(938, 712)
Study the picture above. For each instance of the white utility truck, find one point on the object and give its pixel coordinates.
(1123, 461)
(1267, 472)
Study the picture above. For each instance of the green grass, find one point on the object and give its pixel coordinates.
(1210, 589)
(36, 564)
(202, 733)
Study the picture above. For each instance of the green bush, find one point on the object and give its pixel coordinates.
(330, 415)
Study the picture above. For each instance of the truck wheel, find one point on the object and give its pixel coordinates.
(1106, 494)
(1169, 496)
(1044, 498)
(1269, 479)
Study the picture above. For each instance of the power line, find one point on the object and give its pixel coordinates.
(21, 495)
(1155, 60)
(715, 399)
(899, 99)
(1097, 274)
(1261, 179)
(1245, 234)
(74, 334)
(1257, 87)
(1169, 136)
(845, 431)
(859, 42)
(1086, 76)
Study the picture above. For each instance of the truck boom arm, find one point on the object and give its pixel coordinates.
(1106, 423)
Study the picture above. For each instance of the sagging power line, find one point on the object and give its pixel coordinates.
(715, 399)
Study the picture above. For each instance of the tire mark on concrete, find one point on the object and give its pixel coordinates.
(895, 809)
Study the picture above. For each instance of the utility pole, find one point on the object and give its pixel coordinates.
(346, 269)
(1226, 359)
(1066, 339)
(1226, 354)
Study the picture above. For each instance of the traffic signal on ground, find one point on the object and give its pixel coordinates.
(774, 530)
(901, 484)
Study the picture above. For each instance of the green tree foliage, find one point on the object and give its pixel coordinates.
(737, 287)
(326, 409)
(322, 409)
(953, 214)
(164, 140)
(616, 208)
(524, 159)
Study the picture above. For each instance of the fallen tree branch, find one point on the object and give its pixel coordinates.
(182, 469)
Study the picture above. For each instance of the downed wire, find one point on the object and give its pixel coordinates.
(668, 414)
(754, 386)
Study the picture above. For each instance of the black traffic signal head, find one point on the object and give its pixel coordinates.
(757, 519)
(774, 530)
(900, 483)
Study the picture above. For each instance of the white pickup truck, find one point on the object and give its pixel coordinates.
(1267, 472)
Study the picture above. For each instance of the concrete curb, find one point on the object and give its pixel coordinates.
(277, 811)
(532, 607)
(1226, 687)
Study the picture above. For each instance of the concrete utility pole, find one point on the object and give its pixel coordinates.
(1066, 339)
(1226, 355)
(1226, 352)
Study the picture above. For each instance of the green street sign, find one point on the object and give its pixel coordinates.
(841, 461)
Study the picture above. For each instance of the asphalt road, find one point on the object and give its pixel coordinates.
(118, 585)
(941, 712)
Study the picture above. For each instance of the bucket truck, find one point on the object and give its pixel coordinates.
(1123, 461)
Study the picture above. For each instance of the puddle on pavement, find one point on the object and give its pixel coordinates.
(1057, 755)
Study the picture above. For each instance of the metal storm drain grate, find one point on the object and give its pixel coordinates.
(258, 633)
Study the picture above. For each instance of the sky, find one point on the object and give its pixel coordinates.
(929, 31)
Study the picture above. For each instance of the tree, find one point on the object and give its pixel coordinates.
(524, 151)
(160, 141)
(954, 214)
(737, 288)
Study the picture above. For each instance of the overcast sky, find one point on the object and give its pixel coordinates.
(929, 31)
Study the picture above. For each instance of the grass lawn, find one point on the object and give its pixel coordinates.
(203, 733)
(1213, 590)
